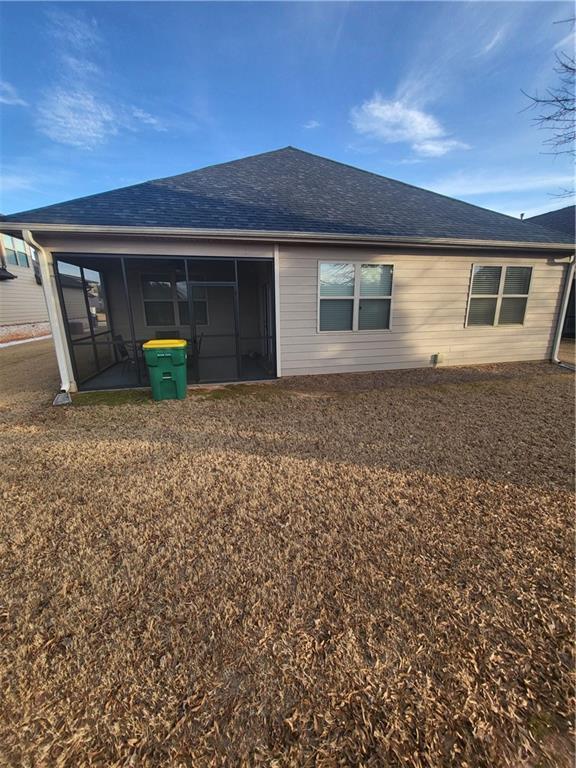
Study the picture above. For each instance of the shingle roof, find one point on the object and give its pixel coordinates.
(561, 220)
(289, 190)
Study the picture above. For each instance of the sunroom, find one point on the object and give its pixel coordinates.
(112, 304)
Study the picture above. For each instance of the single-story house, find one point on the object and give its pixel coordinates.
(288, 263)
(23, 312)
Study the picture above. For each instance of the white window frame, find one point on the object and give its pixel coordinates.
(498, 296)
(18, 247)
(175, 301)
(355, 297)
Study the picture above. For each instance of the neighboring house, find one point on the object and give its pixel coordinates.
(23, 310)
(288, 263)
(563, 220)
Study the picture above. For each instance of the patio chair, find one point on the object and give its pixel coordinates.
(127, 361)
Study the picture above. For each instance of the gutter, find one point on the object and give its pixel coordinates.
(279, 237)
(66, 385)
(568, 278)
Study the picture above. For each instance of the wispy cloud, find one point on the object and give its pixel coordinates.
(396, 120)
(495, 40)
(9, 95)
(80, 108)
(76, 118)
(311, 124)
(76, 31)
(24, 175)
(567, 42)
(12, 182)
(485, 183)
(147, 119)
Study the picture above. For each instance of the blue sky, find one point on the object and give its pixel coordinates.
(100, 95)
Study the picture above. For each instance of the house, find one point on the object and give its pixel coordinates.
(288, 263)
(23, 312)
(563, 220)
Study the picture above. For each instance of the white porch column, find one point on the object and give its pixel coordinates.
(67, 382)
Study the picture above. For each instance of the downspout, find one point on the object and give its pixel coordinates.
(66, 383)
(568, 278)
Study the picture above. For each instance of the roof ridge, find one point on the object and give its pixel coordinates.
(226, 162)
(386, 193)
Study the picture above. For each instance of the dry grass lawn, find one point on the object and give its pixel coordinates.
(369, 570)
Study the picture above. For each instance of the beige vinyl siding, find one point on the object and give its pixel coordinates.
(430, 295)
(22, 299)
(154, 247)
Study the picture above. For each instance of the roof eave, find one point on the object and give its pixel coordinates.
(276, 236)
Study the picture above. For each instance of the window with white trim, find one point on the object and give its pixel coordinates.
(498, 295)
(16, 251)
(354, 297)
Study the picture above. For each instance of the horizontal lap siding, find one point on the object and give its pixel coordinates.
(428, 314)
(22, 299)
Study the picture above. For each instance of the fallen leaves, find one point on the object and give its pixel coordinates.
(291, 582)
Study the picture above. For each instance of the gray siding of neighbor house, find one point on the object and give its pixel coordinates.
(22, 299)
(429, 303)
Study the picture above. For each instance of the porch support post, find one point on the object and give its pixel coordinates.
(67, 382)
(278, 354)
(237, 322)
(130, 318)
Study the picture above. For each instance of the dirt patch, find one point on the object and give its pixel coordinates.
(376, 575)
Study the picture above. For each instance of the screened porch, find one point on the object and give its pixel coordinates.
(223, 308)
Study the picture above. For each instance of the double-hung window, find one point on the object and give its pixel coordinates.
(16, 253)
(166, 301)
(158, 299)
(498, 295)
(354, 297)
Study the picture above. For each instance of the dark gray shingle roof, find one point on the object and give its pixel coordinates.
(562, 220)
(289, 190)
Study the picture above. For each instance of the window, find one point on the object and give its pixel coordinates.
(200, 304)
(354, 297)
(16, 253)
(498, 295)
(166, 301)
(158, 300)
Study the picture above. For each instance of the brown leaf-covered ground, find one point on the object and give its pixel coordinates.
(364, 570)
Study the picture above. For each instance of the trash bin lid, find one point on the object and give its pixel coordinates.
(164, 343)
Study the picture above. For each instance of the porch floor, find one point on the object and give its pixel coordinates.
(121, 376)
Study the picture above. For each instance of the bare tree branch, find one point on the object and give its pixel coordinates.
(557, 109)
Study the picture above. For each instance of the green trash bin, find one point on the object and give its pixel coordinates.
(166, 361)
